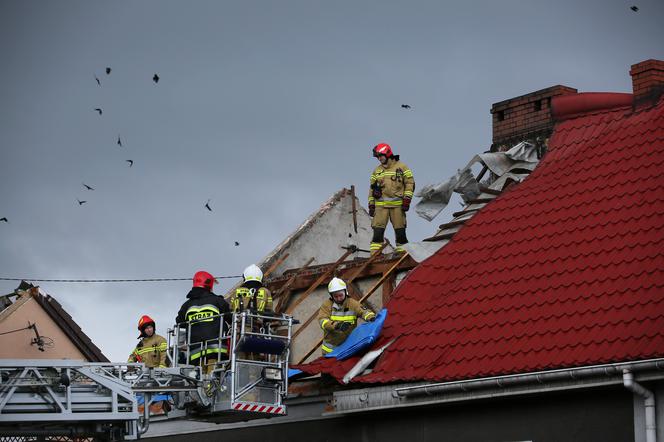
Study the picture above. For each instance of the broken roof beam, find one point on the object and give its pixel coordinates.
(354, 207)
(306, 278)
(274, 265)
(354, 292)
(362, 299)
(319, 281)
(284, 292)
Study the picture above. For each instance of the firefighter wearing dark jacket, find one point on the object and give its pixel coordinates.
(251, 295)
(152, 348)
(202, 310)
(390, 193)
(338, 315)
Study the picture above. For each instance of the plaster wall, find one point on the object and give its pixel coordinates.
(17, 345)
(323, 239)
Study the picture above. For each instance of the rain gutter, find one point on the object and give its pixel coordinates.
(408, 395)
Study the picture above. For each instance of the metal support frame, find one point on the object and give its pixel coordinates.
(49, 397)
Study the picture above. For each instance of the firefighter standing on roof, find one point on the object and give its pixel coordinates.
(338, 315)
(202, 310)
(391, 191)
(151, 350)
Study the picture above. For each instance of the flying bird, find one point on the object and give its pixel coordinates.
(131, 162)
(155, 78)
(406, 106)
(207, 205)
(4, 219)
(634, 8)
(80, 203)
(98, 82)
(108, 71)
(237, 243)
(87, 187)
(119, 141)
(98, 110)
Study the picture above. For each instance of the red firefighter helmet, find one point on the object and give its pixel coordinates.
(204, 279)
(144, 322)
(382, 149)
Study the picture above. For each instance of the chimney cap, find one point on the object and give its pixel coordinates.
(646, 65)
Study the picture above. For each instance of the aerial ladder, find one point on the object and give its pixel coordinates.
(47, 398)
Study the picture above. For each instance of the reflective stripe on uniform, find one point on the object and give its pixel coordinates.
(160, 347)
(243, 291)
(323, 322)
(261, 297)
(207, 352)
(389, 203)
(203, 313)
(345, 318)
(326, 348)
(375, 246)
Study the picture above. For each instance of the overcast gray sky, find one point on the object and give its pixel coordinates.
(266, 109)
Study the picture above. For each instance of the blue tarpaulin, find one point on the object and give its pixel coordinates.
(156, 398)
(293, 372)
(362, 337)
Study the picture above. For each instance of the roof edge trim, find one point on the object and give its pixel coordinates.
(564, 107)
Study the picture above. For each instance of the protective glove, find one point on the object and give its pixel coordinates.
(372, 210)
(342, 326)
(371, 318)
(377, 192)
(405, 205)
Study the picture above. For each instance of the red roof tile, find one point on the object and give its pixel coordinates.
(566, 269)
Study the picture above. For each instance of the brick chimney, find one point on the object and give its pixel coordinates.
(525, 117)
(647, 81)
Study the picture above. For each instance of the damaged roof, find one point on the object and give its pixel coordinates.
(564, 270)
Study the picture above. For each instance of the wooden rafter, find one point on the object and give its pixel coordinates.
(276, 264)
(284, 292)
(319, 281)
(306, 277)
(349, 283)
(354, 209)
(365, 297)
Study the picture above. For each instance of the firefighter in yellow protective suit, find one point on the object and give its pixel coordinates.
(338, 315)
(251, 295)
(391, 191)
(152, 348)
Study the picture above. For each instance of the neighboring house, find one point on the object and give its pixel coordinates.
(44, 330)
(541, 318)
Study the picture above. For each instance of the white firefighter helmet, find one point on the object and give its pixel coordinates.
(253, 273)
(335, 285)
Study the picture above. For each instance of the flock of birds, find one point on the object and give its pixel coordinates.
(100, 111)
